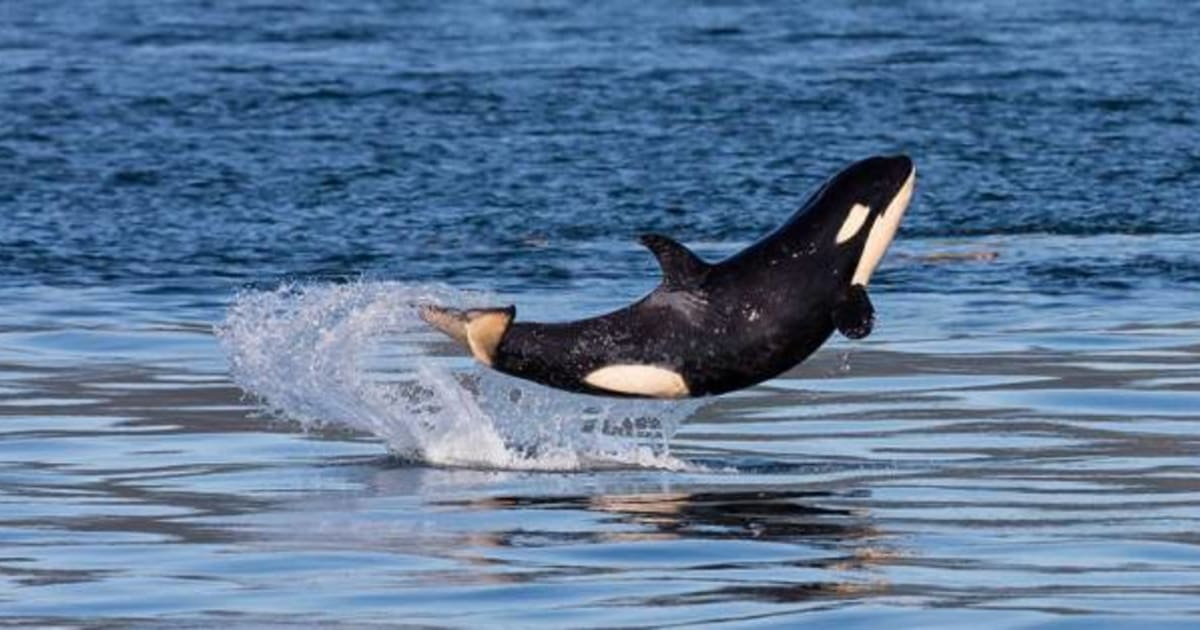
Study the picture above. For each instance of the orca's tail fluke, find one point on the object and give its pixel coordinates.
(477, 330)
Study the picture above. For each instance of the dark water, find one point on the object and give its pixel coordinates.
(1015, 445)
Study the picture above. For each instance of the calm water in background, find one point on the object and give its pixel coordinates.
(1015, 445)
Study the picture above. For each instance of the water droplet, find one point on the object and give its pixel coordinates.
(326, 354)
(844, 365)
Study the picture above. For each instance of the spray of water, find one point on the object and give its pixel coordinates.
(357, 355)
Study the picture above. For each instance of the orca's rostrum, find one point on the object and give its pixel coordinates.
(711, 328)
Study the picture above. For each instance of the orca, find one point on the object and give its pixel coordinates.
(711, 328)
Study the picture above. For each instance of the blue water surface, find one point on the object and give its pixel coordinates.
(1015, 445)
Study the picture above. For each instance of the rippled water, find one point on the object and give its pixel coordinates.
(199, 199)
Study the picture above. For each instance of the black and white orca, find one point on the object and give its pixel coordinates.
(711, 328)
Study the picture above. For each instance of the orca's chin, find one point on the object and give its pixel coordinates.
(884, 228)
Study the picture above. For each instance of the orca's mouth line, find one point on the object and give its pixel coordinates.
(884, 230)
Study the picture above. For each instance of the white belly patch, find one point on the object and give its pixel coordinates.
(638, 380)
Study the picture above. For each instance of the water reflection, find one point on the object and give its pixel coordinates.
(1062, 478)
(832, 549)
(790, 516)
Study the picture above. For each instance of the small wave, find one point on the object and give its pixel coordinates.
(356, 355)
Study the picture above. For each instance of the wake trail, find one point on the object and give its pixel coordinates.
(356, 355)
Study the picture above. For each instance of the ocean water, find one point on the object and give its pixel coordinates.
(217, 406)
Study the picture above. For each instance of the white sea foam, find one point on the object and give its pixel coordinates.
(357, 355)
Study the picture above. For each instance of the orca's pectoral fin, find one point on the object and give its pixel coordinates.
(681, 268)
(853, 315)
(478, 330)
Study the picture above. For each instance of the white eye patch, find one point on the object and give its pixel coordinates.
(853, 223)
(882, 232)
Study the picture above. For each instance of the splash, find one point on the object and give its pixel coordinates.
(356, 355)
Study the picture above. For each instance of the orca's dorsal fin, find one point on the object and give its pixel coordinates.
(681, 268)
